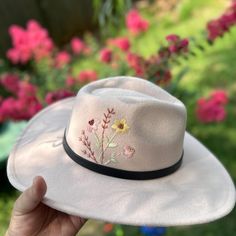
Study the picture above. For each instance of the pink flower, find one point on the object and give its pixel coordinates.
(30, 43)
(137, 63)
(19, 108)
(172, 37)
(54, 96)
(87, 76)
(105, 55)
(218, 27)
(77, 45)
(62, 59)
(135, 23)
(176, 44)
(10, 82)
(128, 151)
(93, 125)
(212, 109)
(70, 81)
(26, 90)
(220, 97)
(121, 42)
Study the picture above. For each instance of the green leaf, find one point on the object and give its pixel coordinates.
(113, 160)
(112, 145)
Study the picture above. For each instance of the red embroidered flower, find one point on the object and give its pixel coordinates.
(93, 125)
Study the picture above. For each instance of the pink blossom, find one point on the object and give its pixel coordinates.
(137, 63)
(212, 109)
(10, 82)
(30, 43)
(87, 76)
(135, 23)
(62, 58)
(26, 90)
(122, 42)
(176, 44)
(105, 55)
(218, 27)
(70, 81)
(220, 97)
(172, 37)
(19, 108)
(54, 96)
(128, 151)
(77, 45)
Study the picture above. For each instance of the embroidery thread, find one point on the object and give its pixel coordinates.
(103, 142)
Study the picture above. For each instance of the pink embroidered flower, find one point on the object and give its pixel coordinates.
(10, 82)
(128, 151)
(62, 59)
(135, 23)
(77, 45)
(93, 125)
(122, 43)
(87, 76)
(57, 95)
(105, 55)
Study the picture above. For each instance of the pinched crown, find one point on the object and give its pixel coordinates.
(127, 123)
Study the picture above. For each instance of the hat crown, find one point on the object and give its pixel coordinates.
(127, 123)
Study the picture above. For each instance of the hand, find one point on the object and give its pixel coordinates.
(30, 217)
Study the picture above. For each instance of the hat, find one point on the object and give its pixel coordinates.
(119, 152)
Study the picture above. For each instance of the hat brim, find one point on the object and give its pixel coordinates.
(199, 192)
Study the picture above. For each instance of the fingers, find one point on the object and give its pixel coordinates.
(31, 197)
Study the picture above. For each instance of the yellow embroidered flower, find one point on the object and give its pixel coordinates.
(120, 126)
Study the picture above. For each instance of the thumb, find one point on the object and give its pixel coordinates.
(31, 197)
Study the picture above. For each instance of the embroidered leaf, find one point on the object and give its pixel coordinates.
(112, 145)
(113, 160)
(108, 139)
(107, 162)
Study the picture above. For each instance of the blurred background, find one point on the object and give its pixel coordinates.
(49, 49)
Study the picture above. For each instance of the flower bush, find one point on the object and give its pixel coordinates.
(212, 108)
(48, 73)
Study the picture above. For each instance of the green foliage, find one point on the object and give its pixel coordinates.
(110, 14)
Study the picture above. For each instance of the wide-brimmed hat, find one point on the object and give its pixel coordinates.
(119, 152)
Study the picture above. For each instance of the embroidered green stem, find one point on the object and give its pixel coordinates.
(110, 141)
(106, 121)
(97, 139)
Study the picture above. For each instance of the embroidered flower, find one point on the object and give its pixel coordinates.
(120, 126)
(93, 125)
(128, 151)
(101, 145)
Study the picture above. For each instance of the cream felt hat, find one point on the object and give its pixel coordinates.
(119, 152)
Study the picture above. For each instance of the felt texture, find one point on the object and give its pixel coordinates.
(200, 191)
(156, 122)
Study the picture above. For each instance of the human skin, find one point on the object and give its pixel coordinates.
(30, 217)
